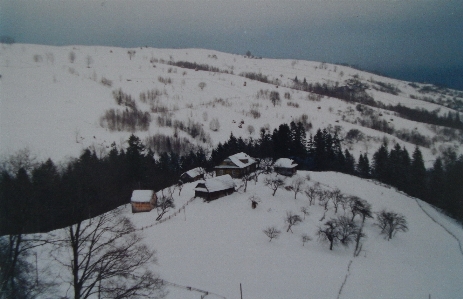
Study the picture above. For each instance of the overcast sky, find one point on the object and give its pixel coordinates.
(394, 37)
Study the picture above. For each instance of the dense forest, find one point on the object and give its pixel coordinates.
(46, 197)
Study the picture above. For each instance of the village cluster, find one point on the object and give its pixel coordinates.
(222, 184)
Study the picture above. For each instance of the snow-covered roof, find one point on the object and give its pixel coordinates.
(195, 172)
(241, 160)
(218, 183)
(285, 163)
(142, 195)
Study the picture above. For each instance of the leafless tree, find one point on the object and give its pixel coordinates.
(305, 238)
(214, 124)
(254, 199)
(131, 53)
(391, 223)
(323, 198)
(19, 278)
(275, 97)
(305, 211)
(311, 194)
(165, 202)
(337, 198)
(272, 232)
(72, 56)
(108, 260)
(179, 187)
(292, 220)
(264, 165)
(274, 182)
(361, 207)
(341, 230)
(246, 178)
(23, 158)
(89, 60)
(297, 185)
(201, 85)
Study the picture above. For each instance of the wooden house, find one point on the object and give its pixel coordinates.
(216, 187)
(143, 200)
(192, 175)
(236, 166)
(285, 166)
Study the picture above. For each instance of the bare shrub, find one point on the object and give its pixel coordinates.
(106, 82)
(274, 182)
(272, 232)
(160, 143)
(292, 220)
(292, 104)
(124, 99)
(251, 129)
(303, 119)
(126, 120)
(72, 57)
(214, 124)
(201, 85)
(165, 80)
(275, 98)
(305, 238)
(37, 58)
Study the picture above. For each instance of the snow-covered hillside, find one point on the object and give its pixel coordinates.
(218, 245)
(53, 98)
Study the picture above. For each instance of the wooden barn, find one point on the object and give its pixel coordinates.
(192, 175)
(285, 166)
(143, 200)
(214, 188)
(236, 166)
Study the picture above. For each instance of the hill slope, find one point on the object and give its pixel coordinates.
(53, 99)
(218, 245)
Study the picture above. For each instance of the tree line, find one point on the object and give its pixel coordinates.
(46, 197)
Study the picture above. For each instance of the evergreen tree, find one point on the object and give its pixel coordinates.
(380, 164)
(417, 175)
(363, 166)
(349, 166)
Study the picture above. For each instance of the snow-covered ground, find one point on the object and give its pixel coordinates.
(53, 106)
(219, 245)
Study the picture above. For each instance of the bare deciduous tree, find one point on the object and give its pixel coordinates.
(391, 223)
(246, 178)
(275, 97)
(337, 198)
(341, 230)
(292, 220)
(165, 202)
(131, 53)
(305, 211)
(311, 194)
(264, 165)
(108, 260)
(201, 85)
(272, 232)
(305, 238)
(361, 207)
(274, 182)
(214, 124)
(297, 185)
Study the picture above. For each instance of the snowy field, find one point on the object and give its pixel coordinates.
(218, 245)
(53, 105)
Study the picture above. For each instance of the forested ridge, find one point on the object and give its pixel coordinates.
(46, 197)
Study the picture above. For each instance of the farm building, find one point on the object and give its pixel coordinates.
(214, 188)
(143, 200)
(236, 165)
(285, 166)
(192, 175)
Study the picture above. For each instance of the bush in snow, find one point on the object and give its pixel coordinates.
(214, 124)
(272, 232)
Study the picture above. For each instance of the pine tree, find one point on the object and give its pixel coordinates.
(380, 164)
(363, 166)
(417, 175)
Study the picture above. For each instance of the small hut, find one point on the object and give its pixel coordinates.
(216, 187)
(143, 200)
(192, 175)
(285, 166)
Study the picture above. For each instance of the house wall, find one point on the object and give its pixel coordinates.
(285, 171)
(141, 207)
(214, 195)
